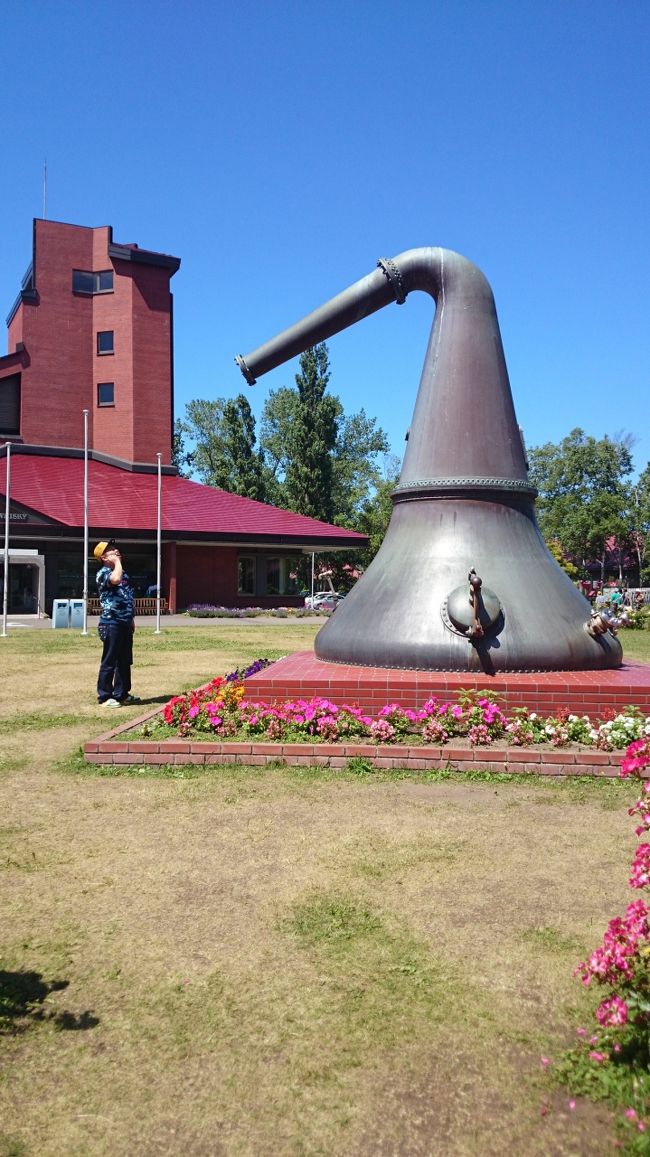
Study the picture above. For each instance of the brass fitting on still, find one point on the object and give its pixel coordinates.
(602, 621)
(475, 583)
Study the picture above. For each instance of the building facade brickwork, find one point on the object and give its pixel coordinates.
(92, 329)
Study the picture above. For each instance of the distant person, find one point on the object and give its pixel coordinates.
(616, 597)
(116, 627)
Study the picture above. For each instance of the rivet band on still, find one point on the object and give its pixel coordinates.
(392, 273)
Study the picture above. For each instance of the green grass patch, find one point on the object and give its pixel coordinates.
(384, 986)
(550, 939)
(609, 793)
(635, 644)
(36, 721)
(9, 763)
(12, 1146)
(621, 1081)
(381, 859)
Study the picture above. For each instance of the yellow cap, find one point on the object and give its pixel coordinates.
(100, 549)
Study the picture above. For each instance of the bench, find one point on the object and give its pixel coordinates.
(142, 606)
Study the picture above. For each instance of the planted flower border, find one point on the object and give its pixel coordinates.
(611, 1060)
(216, 724)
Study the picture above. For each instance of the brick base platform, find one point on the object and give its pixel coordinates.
(302, 675)
(118, 750)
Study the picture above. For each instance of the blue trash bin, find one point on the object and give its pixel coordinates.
(77, 613)
(61, 613)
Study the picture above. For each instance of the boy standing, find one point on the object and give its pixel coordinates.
(116, 627)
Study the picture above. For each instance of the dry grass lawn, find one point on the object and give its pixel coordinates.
(282, 962)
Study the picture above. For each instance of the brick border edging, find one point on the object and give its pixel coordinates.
(111, 749)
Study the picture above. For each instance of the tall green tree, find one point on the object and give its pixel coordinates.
(312, 458)
(181, 456)
(583, 493)
(355, 455)
(277, 428)
(640, 523)
(377, 511)
(224, 440)
(309, 475)
(371, 519)
(356, 469)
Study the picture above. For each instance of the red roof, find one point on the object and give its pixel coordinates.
(120, 500)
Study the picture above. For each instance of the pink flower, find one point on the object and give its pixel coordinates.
(597, 1057)
(612, 1012)
(545, 1062)
(572, 1105)
(630, 1114)
(636, 757)
(640, 871)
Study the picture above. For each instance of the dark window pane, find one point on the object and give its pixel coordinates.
(82, 282)
(246, 575)
(85, 282)
(273, 576)
(10, 405)
(105, 341)
(106, 394)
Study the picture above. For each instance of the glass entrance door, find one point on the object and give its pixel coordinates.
(22, 598)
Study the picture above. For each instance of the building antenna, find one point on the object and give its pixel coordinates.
(45, 189)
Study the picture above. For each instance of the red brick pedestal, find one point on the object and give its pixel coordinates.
(302, 675)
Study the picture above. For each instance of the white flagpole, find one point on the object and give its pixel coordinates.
(85, 590)
(312, 580)
(5, 588)
(158, 536)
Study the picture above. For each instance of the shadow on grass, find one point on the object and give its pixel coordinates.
(22, 995)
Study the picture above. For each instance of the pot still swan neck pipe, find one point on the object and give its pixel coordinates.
(393, 279)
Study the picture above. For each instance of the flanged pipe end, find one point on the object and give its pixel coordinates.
(245, 370)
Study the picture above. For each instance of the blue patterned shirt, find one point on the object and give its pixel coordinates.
(116, 599)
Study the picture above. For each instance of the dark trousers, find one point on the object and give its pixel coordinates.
(114, 680)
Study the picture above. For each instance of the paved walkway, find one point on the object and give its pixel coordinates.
(18, 622)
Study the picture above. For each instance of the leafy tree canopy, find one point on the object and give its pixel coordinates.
(312, 457)
(319, 457)
(224, 455)
(584, 495)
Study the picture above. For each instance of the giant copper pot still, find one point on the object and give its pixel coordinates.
(463, 580)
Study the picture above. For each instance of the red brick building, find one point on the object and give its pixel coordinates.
(92, 329)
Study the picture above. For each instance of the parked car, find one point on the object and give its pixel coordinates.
(323, 601)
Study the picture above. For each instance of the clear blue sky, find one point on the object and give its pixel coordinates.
(280, 149)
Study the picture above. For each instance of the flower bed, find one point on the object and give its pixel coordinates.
(208, 611)
(611, 1061)
(220, 710)
(216, 724)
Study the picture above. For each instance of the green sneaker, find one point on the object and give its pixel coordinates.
(126, 702)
